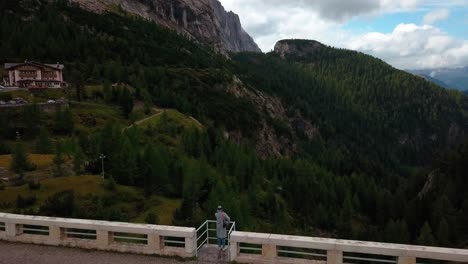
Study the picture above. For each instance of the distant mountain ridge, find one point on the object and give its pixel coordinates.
(204, 20)
(454, 78)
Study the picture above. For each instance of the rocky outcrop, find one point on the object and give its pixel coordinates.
(296, 47)
(232, 35)
(204, 20)
(268, 142)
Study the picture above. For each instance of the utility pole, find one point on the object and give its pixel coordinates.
(102, 157)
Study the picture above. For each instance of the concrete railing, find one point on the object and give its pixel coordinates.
(269, 248)
(100, 235)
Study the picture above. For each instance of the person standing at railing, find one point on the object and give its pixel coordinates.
(222, 222)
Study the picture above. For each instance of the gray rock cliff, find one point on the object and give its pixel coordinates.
(203, 20)
(296, 47)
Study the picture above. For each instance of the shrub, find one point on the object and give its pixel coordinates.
(60, 204)
(110, 184)
(151, 218)
(22, 203)
(4, 148)
(5, 97)
(34, 185)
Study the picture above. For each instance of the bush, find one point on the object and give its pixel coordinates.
(34, 185)
(18, 181)
(151, 218)
(110, 184)
(4, 148)
(22, 203)
(60, 204)
(5, 97)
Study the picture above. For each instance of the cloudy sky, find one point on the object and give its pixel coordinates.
(408, 34)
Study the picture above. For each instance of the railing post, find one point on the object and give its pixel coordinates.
(207, 232)
(406, 260)
(269, 251)
(155, 242)
(191, 244)
(334, 257)
(55, 234)
(104, 238)
(12, 229)
(233, 251)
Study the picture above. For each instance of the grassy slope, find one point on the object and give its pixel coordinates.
(43, 163)
(84, 187)
(88, 116)
(173, 115)
(36, 96)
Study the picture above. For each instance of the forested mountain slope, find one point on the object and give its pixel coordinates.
(307, 139)
(359, 104)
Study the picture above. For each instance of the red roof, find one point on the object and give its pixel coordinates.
(53, 66)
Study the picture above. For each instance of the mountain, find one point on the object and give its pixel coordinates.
(455, 78)
(436, 81)
(204, 20)
(357, 100)
(307, 139)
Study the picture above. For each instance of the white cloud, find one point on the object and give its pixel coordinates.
(334, 10)
(408, 46)
(435, 16)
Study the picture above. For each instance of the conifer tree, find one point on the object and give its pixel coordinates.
(125, 168)
(78, 161)
(126, 102)
(425, 235)
(43, 143)
(443, 233)
(20, 160)
(59, 162)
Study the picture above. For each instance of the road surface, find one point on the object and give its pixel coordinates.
(12, 253)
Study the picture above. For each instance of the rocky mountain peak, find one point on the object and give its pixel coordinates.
(203, 20)
(297, 47)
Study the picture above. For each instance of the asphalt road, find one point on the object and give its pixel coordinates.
(12, 253)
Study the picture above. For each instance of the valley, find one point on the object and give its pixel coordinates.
(307, 139)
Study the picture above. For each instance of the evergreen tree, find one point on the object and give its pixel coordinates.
(155, 171)
(125, 168)
(126, 102)
(64, 121)
(78, 161)
(391, 232)
(78, 84)
(403, 233)
(443, 233)
(32, 118)
(68, 123)
(151, 218)
(43, 143)
(59, 162)
(425, 236)
(20, 160)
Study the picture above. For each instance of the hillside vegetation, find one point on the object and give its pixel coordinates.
(314, 141)
(88, 197)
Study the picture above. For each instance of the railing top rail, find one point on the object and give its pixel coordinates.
(449, 254)
(174, 231)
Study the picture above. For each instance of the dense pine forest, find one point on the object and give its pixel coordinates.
(387, 161)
